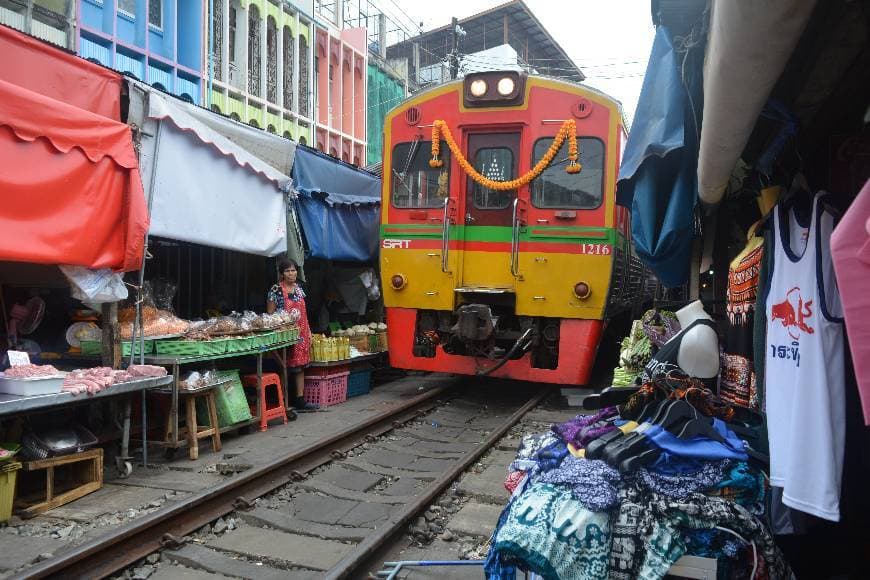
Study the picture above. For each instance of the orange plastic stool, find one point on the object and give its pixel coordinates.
(267, 413)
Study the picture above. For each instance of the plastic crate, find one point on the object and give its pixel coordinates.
(325, 371)
(230, 402)
(190, 347)
(359, 382)
(95, 347)
(239, 343)
(327, 390)
(8, 475)
(265, 339)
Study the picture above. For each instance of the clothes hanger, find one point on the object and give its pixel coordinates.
(613, 440)
(639, 460)
(609, 397)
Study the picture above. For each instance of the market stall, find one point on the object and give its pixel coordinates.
(733, 432)
(189, 155)
(339, 210)
(73, 203)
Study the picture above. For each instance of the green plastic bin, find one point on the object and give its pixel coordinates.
(232, 406)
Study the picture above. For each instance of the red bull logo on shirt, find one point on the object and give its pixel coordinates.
(793, 312)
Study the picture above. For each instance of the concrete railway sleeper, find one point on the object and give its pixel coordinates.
(330, 510)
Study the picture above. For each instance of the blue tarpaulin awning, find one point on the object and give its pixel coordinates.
(339, 207)
(657, 178)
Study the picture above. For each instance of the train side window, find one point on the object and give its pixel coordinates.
(415, 184)
(556, 189)
(496, 163)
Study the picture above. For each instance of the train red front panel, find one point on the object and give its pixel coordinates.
(577, 349)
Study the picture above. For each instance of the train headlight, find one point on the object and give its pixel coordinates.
(505, 86)
(478, 87)
(582, 290)
(398, 281)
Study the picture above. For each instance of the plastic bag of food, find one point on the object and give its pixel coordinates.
(192, 380)
(164, 291)
(226, 325)
(94, 286)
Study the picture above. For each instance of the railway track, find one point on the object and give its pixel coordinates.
(329, 510)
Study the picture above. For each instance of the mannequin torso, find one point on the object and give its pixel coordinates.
(699, 349)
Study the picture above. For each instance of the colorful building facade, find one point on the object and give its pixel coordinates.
(50, 20)
(157, 41)
(259, 65)
(341, 58)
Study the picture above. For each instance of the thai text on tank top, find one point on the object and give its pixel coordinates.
(804, 374)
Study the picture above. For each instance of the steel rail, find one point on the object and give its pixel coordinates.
(104, 556)
(365, 551)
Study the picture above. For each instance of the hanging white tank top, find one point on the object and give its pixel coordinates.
(804, 374)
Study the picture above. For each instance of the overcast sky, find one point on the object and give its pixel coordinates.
(609, 39)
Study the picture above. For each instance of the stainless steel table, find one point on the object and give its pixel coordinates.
(20, 405)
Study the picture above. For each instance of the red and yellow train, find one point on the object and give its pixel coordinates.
(503, 251)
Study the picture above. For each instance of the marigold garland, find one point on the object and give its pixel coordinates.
(568, 130)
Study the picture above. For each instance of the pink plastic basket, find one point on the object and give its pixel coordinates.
(327, 390)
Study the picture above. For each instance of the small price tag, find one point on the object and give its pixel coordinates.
(18, 358)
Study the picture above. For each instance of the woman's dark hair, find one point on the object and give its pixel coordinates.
(285, 263)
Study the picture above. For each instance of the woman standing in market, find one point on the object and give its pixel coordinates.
(287, 294)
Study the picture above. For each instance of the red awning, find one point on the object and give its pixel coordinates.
(44, 69)
(71, 190)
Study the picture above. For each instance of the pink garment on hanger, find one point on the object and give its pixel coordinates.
(850, 248)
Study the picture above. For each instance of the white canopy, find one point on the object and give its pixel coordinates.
(202, 187)
(748, 46)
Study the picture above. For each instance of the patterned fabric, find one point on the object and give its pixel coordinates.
(551, 457)
(648, 527)
(738, 375)
(527, 453)
(276, 294)
(300, 353)
(553, 535)
(681, 486)
(737, 384)
(584, 428)
(744, 485)
(592, 481)
(660, 326)
(513, 480)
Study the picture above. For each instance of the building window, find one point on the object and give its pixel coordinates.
(303, 140)
(155, 13)
(271, 61)
(289, 67)
(271, 129)
(303, 77)
(254, 57)
(233, 23)
(327, 10)
(128, 7)
(217, 29)
(288, 135)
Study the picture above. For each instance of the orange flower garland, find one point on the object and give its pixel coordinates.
(568, 130)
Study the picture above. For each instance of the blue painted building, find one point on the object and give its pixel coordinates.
(159, 42)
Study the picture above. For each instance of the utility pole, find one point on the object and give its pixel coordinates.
(454, 55)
